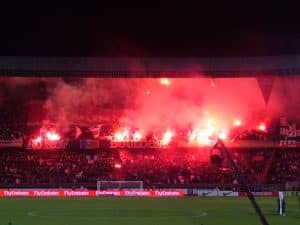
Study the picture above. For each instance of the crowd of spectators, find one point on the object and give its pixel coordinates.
(12, 125)
(286, 167)
(170, 167)
(192, 167)
(53, 168)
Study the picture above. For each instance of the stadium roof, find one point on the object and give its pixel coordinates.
(164, 30)
(149, 67)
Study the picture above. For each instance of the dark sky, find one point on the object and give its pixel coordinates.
(165, 31)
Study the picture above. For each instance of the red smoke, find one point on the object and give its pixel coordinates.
(206, 108)
(194, 104)
(156, 105)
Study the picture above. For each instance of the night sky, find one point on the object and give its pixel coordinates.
(165, 31)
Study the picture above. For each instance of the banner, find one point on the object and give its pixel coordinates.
(17, 143)
(46, 193)
(213, 193)
(266, 86)
(289, 134)
(126, 193)
(36, 145)
(135, 144)
(289, 143)
(260, 194)
(90, 193)
(95, 131)
(89, 144)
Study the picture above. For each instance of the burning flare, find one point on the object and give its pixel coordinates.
(52, 136)
(165, 82)
(137, 136)
(167, 137)
(121, 135)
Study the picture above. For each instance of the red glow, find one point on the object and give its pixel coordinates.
(146, 107)
(118, 166)
(262, 127)
(121, 135)
(222, 136)
(212, 83)
(137, 136)
(52, 136)
(201, 136)
(165, 82)
(207, 132)
(237, 123)
(150, 106)
(38, 139)
(167, 137)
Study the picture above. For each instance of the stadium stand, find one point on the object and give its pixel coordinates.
(77, 169)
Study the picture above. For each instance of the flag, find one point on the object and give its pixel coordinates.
(95, 131)
(266, 85)
(89, 144)
(78, 132)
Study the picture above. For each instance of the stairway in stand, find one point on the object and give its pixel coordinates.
(263, 175)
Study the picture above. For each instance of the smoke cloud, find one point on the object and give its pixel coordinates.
(188, 102)
(150, 104)
(89, 101)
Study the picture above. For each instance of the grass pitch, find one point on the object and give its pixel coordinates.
(143, 211)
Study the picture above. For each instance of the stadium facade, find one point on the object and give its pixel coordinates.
(149, 67)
